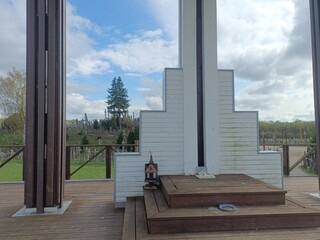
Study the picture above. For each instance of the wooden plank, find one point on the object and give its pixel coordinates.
(141, 220)
(239, 189)
(160, 200)
(150, 203)
(129, 221)
(29, 163)
(91, 214)
(40, 106)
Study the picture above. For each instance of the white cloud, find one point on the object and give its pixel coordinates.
(152, 90)
(145, 53)
(267, 43)
(82, 57)
(12, 35)
(165, 12)
(78, 105)
(89, 64)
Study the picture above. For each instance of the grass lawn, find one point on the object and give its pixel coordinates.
(11, 171)
(95, 170)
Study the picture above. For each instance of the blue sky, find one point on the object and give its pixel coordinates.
(116, 32)
(267, 43)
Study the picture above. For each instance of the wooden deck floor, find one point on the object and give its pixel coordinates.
(92, 216)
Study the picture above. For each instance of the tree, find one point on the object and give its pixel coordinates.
(120, 138)
(96, 124)
(13, 95)
(13, 122)
(130, 140)
(118, 101)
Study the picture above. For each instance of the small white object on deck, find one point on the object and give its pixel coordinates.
(315, 195)
(204, 175)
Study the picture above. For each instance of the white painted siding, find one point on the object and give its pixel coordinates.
(239, 139)
(161, 132)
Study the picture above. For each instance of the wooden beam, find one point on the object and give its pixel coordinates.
(45, 115)
(315, 37)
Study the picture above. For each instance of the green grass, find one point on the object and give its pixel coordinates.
(11, 171)
(309, 170)
(94, 170)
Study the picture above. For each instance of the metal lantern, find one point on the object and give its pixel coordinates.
(151, 174)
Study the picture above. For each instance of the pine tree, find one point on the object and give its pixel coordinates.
(118, 101)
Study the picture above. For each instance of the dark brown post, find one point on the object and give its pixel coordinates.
(68, 162)
(108, 161)
(200, 111)
(286, 163)
(315, 37)
(45, 108)
(23, 163)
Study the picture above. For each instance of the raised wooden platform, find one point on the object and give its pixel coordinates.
(238, 189)
(163, 219)
(174, 207)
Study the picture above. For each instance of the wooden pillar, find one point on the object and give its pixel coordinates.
(315, 37)
(68, 162)
(45, 108)
(286, 162)
(108, 161)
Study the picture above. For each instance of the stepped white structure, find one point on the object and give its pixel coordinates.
(228, 141)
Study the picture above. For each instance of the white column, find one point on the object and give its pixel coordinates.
(210, 79)
(188, 63)
(187, 58)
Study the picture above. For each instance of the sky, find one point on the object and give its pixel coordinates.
(266, 42)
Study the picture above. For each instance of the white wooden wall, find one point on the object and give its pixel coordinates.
(161, 132)
(239, 138)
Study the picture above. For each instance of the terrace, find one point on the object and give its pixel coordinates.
(92, 215)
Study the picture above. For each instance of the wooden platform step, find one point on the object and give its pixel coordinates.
(162, 219)
(134, 221)
(239, 189)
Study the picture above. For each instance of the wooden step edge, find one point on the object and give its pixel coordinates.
(129, 220)
(167, 183)
(134, 221)
(141, 220)
(299, 203)
(184, 225)
(150, 203)
(175, 194)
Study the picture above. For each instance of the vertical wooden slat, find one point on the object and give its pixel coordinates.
(53, 133)
(62, 88)
(315, 37)
(41, 102)
(30, 181)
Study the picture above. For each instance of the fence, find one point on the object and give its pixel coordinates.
(82, 154)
